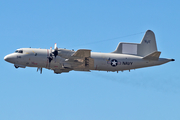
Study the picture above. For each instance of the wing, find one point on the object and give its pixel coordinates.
(83, 56)
(82, 53)
(80, 60)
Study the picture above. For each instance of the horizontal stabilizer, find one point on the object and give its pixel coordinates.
(82, 53)
(153, 56)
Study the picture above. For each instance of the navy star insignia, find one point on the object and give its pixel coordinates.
(114, 62)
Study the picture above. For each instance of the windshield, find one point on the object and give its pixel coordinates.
(19, 51)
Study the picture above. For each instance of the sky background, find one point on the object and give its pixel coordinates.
(144, 94)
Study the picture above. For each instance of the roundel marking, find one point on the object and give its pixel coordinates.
(114, 62)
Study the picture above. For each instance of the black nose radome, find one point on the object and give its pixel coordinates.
(172, 59)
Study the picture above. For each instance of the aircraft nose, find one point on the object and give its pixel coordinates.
(6, 58)
(9, 58)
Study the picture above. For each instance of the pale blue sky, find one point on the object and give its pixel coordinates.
(143, 94)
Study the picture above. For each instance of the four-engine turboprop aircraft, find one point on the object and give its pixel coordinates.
(127, 56)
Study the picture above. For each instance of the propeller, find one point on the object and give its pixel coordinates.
(50, 57)
(54, 53)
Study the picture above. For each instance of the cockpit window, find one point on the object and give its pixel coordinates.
(19, 51)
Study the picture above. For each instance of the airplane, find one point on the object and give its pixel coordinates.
(127, 56)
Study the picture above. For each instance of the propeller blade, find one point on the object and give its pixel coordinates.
(55, 51)
(50, 57)
(55, 47)
(50, 51)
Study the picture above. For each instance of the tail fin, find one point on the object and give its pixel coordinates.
(148, 44)
(146, 47)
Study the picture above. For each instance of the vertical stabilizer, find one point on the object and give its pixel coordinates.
(148, 44)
